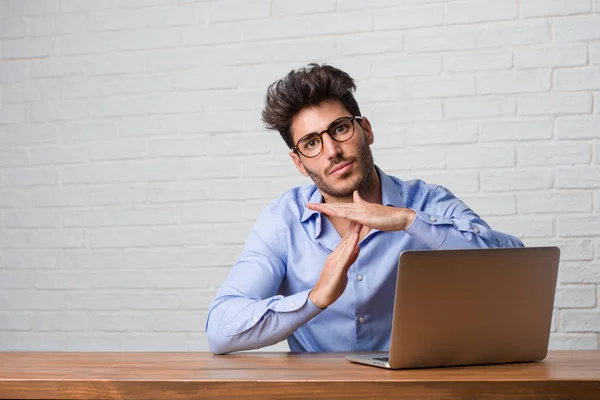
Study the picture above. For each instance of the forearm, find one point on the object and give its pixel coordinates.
(449, 233)
(236, 323)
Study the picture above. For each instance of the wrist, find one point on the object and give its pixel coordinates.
(405, 216)
(316, 301)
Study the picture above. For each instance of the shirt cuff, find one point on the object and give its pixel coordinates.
(429, 229)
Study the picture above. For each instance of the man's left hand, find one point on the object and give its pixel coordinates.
(376, 216)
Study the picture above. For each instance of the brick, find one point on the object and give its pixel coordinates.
(409, 17)
(179, 147)
(119, 150)
(290, 7)
(251, 189)
(57, 111)
(594, 49)
(370, 43)
(123, 63)
(575, 296)
(577, 28)
(579, 127)
(577, 79)
(33, 341)
(32, 91)
(74, 6)
(178, 192)
(468, 12)
(561, 341)
(196, 14)
(480, 156)
(554, 202)
(72, 132)
(515, 129)
(177, 321)
(13, 157)
(261, 75)
(124, 216)
(35, 300)
(379, 90)
(57, 196)
(15, 198)
(580, 321)
(222, 78)
(480, 61)
(307, 26)
(193, 257)
(13, 114)
(597, 102)
(33, 218)
(29, 134)
(236, 99)
(227, 10)
(491, 205)
(53, 280)
(268, 167)
(28, 8)
(363, 4)
(524, 227)
(417, 158)
(15, 280)
(570, 249)
(28, 47)
(212, 212)
(555, 103)
(441, 133)
(13, 28)
(510, 179)
(31, 177)
(406, 65)
(63, 321)
(479, 107)
(63, 154)
(117, 195)
(32, 259)
(596, 5)
(545, 8)
(18, 321)
(579, 272)
(102, 86)
(43, 239)
(577, 177)
(517, 33)
(441, 39)
(58, 67)
(143, 237)
(417, 111)
(514, 82)
(569, 153)
(458, 181)
(579, 226)
(116, 21)
(65, 24)
(121, 321)
(550, 56)
(14, 71)
(441, 87)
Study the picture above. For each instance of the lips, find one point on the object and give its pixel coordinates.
(340, 166)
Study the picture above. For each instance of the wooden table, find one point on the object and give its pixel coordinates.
(563, 375)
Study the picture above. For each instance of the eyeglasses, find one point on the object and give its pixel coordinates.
(340, 130)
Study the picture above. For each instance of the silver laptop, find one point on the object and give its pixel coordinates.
(469, 307)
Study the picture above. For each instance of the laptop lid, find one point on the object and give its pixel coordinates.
(480, 306)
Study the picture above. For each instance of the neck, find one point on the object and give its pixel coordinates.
(369, 191)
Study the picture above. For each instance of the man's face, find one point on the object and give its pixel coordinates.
(342, 167)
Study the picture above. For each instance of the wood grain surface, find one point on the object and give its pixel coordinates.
(563, 375)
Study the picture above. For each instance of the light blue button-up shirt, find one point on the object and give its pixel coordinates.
(265, 300)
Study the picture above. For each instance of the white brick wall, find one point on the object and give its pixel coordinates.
(133, 161)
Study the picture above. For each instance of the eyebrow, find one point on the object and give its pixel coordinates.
(328, 126)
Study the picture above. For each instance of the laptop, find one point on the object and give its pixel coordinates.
(470, 307)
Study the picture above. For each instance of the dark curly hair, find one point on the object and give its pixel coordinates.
(308, 86)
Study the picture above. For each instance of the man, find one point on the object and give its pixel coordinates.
(319, 266)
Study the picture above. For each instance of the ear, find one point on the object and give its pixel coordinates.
(366, 125)
(298, 163)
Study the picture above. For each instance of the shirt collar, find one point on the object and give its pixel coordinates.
(390, 195)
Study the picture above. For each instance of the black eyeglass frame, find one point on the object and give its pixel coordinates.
(351, 119)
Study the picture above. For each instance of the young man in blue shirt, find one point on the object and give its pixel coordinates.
(319, 266)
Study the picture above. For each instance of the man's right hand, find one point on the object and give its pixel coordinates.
(334, 277)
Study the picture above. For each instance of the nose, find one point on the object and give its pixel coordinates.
(331, 148)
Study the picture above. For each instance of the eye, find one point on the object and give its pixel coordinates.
(312, 143)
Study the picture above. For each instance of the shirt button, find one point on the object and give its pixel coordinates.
(475, 229)
(292, 304)
(432, 218)
(255, 318)
(361, 320)
(359, 277)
